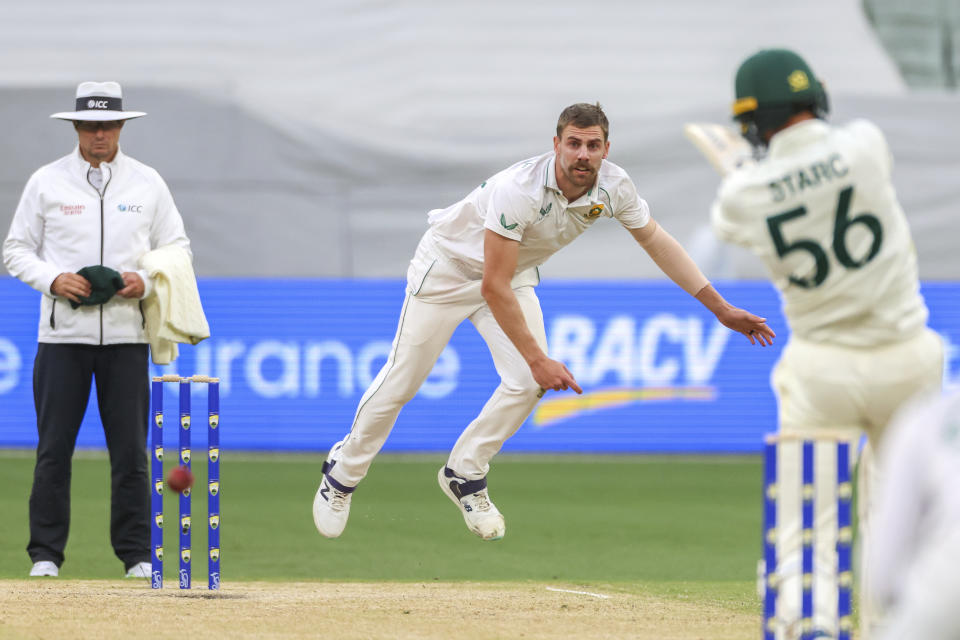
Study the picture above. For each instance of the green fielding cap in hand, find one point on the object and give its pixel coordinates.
(104, 283)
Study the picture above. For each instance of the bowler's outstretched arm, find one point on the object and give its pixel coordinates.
(499, 267)
(677, 264)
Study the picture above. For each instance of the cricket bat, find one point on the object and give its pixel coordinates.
(722, 146)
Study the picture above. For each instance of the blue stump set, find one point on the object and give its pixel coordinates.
(185, 501)
(844, 537)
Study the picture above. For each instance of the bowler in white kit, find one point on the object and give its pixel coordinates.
(478, 260)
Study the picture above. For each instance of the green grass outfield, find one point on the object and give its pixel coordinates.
(683, 527)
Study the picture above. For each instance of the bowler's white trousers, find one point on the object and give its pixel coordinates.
(441, 294)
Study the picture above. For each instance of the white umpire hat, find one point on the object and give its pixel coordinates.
(100, 102)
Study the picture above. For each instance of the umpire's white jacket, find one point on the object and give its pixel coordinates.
(63, 224)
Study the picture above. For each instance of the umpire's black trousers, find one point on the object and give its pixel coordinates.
(61, 388)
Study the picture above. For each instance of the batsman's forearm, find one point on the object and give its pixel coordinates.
(508, 314)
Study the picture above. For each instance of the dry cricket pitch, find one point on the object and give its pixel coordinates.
(53, 608)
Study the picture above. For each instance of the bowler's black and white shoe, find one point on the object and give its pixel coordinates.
(331, 504)
(471, 497)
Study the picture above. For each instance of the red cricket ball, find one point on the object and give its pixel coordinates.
(179, 479)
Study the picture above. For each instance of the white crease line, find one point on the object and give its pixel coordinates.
(579, 593)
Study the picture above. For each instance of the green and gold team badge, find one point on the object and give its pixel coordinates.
(214, 421)
(595, 211)
(185, 456)
(158, 453)
(185, 421)
(214, 521)
(158, 419)
(185, 524)
(214, 487)
(215, 554)
(158, 486)
(214, 454)
(158, 551)
(185, 555)
(159, 519)
(798, 81)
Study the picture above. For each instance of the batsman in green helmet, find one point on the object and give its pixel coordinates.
(815, 202)
(775, 88)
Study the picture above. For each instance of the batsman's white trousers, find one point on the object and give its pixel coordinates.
(829, 389)
(442, 293)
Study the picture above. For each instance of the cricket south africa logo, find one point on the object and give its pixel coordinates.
(595, 211)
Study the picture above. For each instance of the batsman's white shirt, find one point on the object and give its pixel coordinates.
(821, 212)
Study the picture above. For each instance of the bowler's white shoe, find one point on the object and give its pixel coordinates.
(331, 504)
(473, 500)
(44, 568)
(140, 570)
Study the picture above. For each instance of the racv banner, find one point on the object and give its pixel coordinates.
(294, 357)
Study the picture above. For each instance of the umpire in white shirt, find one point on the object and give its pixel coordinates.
(94, 211)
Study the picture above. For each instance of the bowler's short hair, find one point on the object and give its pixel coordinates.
(583, 115)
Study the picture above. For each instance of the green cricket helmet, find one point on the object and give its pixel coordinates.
(771, 86)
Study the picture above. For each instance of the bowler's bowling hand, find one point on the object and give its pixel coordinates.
(552, 374)
(742, 321)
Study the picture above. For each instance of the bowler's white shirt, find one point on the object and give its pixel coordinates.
(524, 203)
(826, 191)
